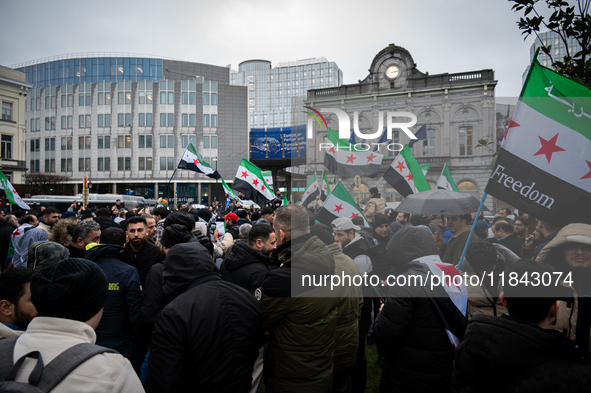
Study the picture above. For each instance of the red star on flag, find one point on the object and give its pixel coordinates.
(549, 147)
(187, 155)
(195, 161)
(244, 174)
(588, 175)
(371, 157)
(351, 158)
(307, 192)
(332, 151)
(255, 182)
(512, 124)
(262, 187)
(400, 166)
(15, 234)
(338, 208)
(354, 215)
(409, 176)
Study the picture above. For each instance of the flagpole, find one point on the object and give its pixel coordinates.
(379, 181)
(484, 195)
(166, 189)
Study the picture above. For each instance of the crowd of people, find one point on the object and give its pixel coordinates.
(186, 299)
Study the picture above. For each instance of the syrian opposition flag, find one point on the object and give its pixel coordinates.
(544, 164)
(445, 181)
(405, 174)
(425, 168)
(268, 176)
(343, 160)
(228, 191)
(312, 191)
(11, 194)
(339, 204)
(250, 182)
(325, 191)
(193, 161)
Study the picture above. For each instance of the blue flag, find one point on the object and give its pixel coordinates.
(352, 139)
(381, 140)
(421, 135)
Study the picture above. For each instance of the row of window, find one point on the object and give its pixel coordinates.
(103, 164)
(104, 142)
(123, 120)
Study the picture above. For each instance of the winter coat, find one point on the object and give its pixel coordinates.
(6, 230)
(482, 301)
(208, 338)
(245, 266)
(123, 304)
(107, 372)
(419, 354)
(513, 243)
(152, 305)
(143, 259)
(374, 205)
(299, 356)
(500, 352)
(106, 222)
(453, 250)
(346, 338)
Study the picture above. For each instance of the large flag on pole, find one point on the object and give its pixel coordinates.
(445, 181)
(544, 164)
(268, 175)
(312, 192)
(405, 174)
(193, 161)
(11, 193)
(421, 135)
(343, 160)
(250, 182)
(325, 186)
(228, 191)
(339, 204)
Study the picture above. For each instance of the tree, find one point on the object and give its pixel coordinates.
(46, 183)
(569, 22)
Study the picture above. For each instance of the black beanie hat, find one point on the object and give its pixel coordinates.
(182, 218)
(379, 219)
(205, 214)
(74, 288)
(174, 234)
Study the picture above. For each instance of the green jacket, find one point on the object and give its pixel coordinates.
(299, 356)
(453, 251)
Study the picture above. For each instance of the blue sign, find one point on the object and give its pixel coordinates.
(274, 142)
(301, 133)
(258, 143)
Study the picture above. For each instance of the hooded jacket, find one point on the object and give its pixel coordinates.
(499, 352)
(245, 266)
(419, 355)
(123, 304)
(299, 356)
(374, 205)
(208, 337)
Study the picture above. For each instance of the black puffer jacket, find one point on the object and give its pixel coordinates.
(6, 230)
(500, 352)
(419, 355)
(206, 339)
(245, 266)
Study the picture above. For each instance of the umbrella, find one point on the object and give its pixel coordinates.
(439, 202)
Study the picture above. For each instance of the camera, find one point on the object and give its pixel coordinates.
(212, 228)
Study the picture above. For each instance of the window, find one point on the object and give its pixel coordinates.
(145, 163)
(166, 163)
(66, 143)
(145, 119)
(104, 120)
(83, 121)
(429, 144)
(188, 92)
(145, 141)
(104, 142)
(185, 118)
(123, 163)
(83, 142)
(49, 144)
(6, 147)
(468, 187)
(103, 164)
(66, 165)
(214, 98)
(210, 142)
(124, 92)
(124, 119)
(50, 165)
(167, 92)
(84, 94)
(50, 97)
(145, 92)
(34, 166)
(35, 144)
(392, 195)
(205, 98)
(214, 120)
(124, 141)
(50, 123)
(66, 122)
(192, 120)
(83, 164)
(104, 93)
(67, 96)
(167, 120)
(465, 141)
(188, 139)
(35, 123)
(205, 120)
(166, 141)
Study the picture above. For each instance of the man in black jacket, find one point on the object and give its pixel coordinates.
(208, 337)
(248, 264)
(143, 255)
(118, 328)
(504, 234)
(519, 345)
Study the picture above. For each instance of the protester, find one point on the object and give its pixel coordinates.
(358, 221)
(45, 252)
(151, 231)
(232, 232)
(119, 326)
(458, 226)
(299, 356)
(520, 228)
(69, 296)
(419, 352)
(7, 227)
(207, 338)
(243, 217)
(103, 218)
(85, 233)
(63, 233)
(518, 345)
(376, 204)
(160, 213)
(16, 309)
(142, 254)
(267, 216)
(50, 217)
(547, 231)
(503, 233)
(21, 245)
(402, 220)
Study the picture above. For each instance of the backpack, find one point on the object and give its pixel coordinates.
(43, 378)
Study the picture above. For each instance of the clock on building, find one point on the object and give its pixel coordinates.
(392, 72)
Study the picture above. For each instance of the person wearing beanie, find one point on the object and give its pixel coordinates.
(69, 296)
(44, 252)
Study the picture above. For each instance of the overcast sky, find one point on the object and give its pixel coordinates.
(441, 35)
